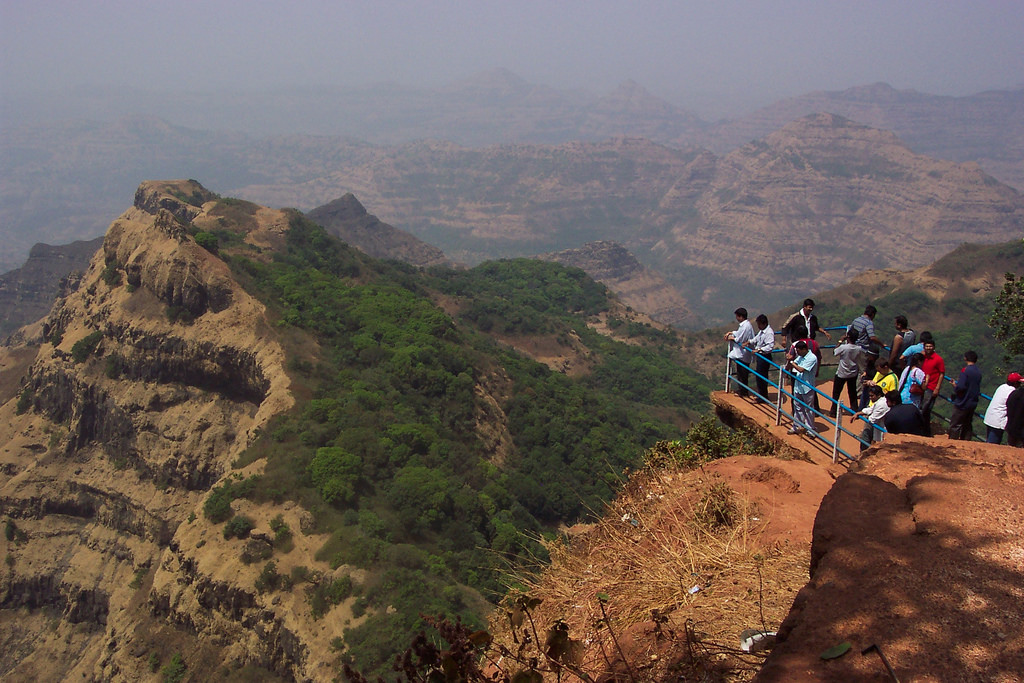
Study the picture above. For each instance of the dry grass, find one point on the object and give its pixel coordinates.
(670, 532)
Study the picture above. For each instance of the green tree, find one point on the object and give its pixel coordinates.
(335, 472)
(208, 241)
(421, 495)
(1006, 317)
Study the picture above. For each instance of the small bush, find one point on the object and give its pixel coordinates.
(140, 576)
(154, 662)
(217, 507)
(238, 527)
(85, 347)
(256, 550)
(326, 594)
(208, 241)
(111, 274)
(13, 534)
(175, 670)
(269, 579)
(115, 366)
(708, 439)
(179, 314)
(24, 401)
(282, 534)
(717, 508)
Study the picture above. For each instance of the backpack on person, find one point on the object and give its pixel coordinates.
(909, 339)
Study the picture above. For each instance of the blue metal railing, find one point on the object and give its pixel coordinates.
(780, 411)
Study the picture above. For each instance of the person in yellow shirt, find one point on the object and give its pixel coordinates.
(885, 378)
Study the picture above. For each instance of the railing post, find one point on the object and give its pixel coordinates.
(728, 372)
(835, 440)
(778, 401)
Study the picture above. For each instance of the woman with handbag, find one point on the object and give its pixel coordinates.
(913, 380)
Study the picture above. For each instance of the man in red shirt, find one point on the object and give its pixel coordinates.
(935, 368)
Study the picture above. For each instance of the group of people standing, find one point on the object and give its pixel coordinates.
(894, 386)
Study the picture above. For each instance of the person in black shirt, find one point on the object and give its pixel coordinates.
(902, 418)
(1015, 418)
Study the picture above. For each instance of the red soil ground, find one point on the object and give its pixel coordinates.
(916, 549)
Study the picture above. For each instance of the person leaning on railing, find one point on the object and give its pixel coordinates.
(762, 345)
(875, 413)
(738, 350)
(849, 355)
(806, 365)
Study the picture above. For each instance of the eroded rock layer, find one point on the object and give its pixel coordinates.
(146, 383)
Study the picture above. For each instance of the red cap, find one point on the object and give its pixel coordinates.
(1013, 378)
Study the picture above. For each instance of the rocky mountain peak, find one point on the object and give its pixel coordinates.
(631, 98)
(182, 198)
(878, 93)
(347, 219)
(345, 208)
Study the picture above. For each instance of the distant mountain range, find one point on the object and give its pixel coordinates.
(805, 208)
(531, 191)
(987, 128)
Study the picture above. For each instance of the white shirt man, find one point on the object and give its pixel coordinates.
(738, 349)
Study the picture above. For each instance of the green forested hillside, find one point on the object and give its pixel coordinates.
(393, 450)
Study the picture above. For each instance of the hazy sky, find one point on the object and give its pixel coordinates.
(707, 55)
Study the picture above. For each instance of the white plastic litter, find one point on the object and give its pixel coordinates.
(755, 640)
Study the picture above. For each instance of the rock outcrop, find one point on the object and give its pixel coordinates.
(148, 382)
(348, 220)
(916, 552)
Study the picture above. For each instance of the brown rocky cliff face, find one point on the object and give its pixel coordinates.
(824, 199)
(917, 551)
(987, 128)
(104, 471)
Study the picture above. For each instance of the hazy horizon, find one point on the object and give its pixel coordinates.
(723, 59)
